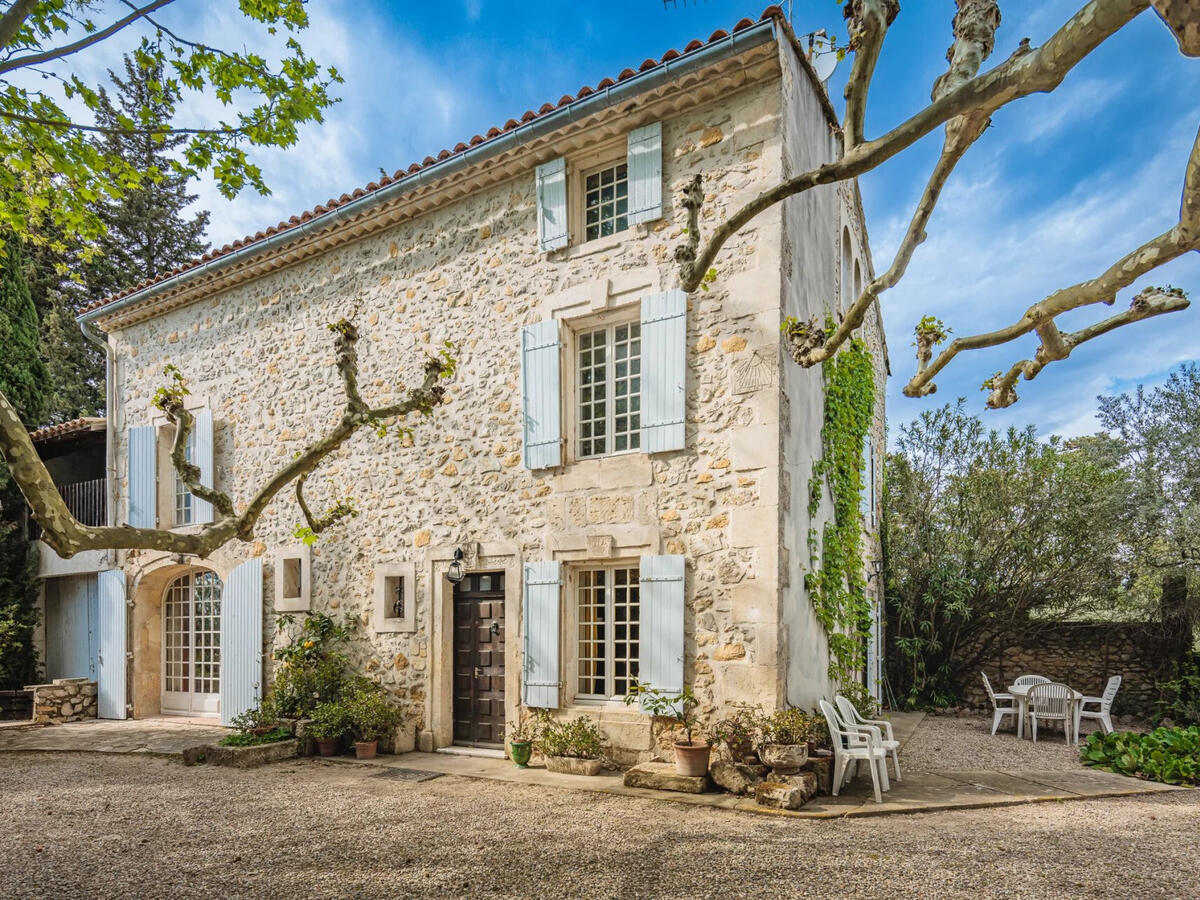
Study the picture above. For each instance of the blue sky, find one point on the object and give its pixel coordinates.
(1060, 187)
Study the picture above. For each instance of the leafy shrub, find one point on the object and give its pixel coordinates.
(371, 713)
(258, 720)
(312, 666)
(251, 739)
(1179, 698)
(1169, 755)
(578, 738)
(736, 730)
(792, 725)
(679, 706)
(331, 719)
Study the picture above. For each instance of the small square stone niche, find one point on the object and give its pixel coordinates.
(395, 598)
(293, 578)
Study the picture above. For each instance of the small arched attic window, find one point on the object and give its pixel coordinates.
(847, 257)
(857, 284)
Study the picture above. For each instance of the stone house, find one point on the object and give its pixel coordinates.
(621, 469)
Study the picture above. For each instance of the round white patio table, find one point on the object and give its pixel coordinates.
(1020, 693)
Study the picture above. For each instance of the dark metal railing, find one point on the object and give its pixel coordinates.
(86, 500)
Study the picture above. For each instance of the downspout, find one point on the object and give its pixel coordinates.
(93, 335)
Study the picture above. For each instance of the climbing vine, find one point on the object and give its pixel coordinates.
(836, 582)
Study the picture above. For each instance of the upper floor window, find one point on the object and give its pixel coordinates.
(606, 201)
(184, 501)
(609, 376)
(609, 617)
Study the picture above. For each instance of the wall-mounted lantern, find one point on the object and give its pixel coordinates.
(456, 572)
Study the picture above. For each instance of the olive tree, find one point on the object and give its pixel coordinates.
(963, 100)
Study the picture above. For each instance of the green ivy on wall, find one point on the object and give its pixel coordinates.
(836, 582)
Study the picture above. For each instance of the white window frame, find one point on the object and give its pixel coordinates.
(576, 588)
(599, 171)
(597, 158)
(183, 506)
(609, 328)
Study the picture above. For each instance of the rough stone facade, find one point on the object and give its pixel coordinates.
(63, 700)
(1084, 655)
(470, 271)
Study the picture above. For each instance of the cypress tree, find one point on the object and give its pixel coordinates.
(22, 380)
(148, 233)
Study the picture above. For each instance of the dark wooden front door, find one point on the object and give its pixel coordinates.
(479, 659)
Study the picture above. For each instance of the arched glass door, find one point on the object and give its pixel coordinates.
(191, 662)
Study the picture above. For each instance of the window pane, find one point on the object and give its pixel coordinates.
(605, 202)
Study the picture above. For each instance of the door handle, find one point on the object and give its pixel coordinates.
(495, 628)
(479, 671)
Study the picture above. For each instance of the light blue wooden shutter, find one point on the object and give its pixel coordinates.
(143, 479)
(202, 456)
(539, 682)
(866, 502)
(645, 173)
(241, 640)
(664, 370)
(110, 652)
(541, 407)
(552, 204)
(660, 663)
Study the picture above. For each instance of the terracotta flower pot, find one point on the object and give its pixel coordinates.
(691, 759)
(785, 759)
(571, 765)
(521, 751)
(328, 746)
(365, 749)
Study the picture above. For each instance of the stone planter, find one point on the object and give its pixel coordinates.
(786, 759)
(570, 765)
(246, 757)
(691, 759)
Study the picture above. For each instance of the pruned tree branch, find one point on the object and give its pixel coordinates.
(1040, 317)
(95, 37)
(867, 22)
(67, 536)
(1023, 73)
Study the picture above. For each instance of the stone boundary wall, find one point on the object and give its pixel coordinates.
(63, 700)
(1084, 655)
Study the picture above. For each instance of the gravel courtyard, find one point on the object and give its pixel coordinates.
(83, 825)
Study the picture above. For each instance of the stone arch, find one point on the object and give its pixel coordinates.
(847, 258)
(149, 586)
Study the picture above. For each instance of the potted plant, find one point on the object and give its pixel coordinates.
(691, 756)
(785, 736)
(738, 732)
(372, 716)
(571, 747)
(330, 723)
(522, 735)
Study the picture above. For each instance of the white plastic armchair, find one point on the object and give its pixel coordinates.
(861, 744)
(851, 716)
(998, 711)
(1105, 702)
(1032, 679)
(1051, 702)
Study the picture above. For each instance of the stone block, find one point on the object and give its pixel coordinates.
(753, 601)
(661, 776)
(755, 526)
(786, 791)
(755, 447)
(249, 757)
(737, 778)
(821, 768)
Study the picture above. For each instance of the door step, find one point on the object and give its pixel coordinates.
(485, 752)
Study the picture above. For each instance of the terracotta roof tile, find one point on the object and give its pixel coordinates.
(67, 429)
(771, 12)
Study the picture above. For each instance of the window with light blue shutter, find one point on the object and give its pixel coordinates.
(143, 478)
(241, 640)
(551, 180)
(660, 664)
(202, 446)
(867, 497)
(110, 645)
(645, 173)
(664, 370)
(541, 406)
(540, 624)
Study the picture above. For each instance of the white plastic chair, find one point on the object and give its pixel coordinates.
(853, 746)
(1032, 679)
(1102, 715)
(1051, 702)
(998, 711)
(850, 716)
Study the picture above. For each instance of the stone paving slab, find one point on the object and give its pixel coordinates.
(158, 736)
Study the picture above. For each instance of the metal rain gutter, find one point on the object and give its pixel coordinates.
(759, 33)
